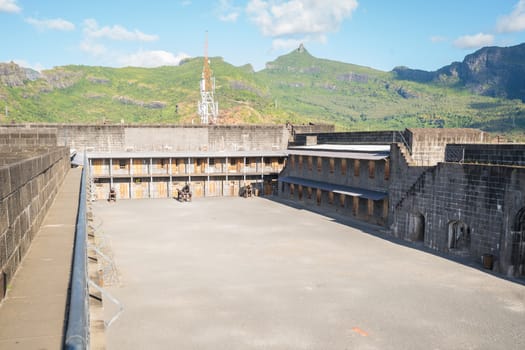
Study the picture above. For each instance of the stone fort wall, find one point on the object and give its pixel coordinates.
(120, 137)
(32, 169)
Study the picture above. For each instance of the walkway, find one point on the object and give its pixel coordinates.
(32, 314)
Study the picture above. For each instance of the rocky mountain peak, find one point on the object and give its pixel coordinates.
(490, 71)
(11, 74)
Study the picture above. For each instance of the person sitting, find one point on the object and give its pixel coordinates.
(112, 195)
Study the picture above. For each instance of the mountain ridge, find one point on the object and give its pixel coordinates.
(296, 87)
(490, 71)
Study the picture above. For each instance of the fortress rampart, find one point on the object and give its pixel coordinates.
(32, 169)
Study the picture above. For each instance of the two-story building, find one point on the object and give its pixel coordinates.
(136, 175)
(349, 179)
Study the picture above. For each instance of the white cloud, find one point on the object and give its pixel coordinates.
(438, 39)
(9, 6)
(93, 44)
(474, 41)
(152, 59)
(230, 17)
(93, 48)
(227, 11)
(277, 18)
(56, 24)
(116, 32)
(515, 22)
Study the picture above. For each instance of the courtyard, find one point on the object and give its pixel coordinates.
(235, 273)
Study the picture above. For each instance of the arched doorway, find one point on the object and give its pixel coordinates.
(416, 227)
(458, 235)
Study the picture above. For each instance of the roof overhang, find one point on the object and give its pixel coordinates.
(341, 189)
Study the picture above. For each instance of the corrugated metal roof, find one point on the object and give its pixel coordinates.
(346, 190)
(339, 154)
(346, 148)
(186, 154)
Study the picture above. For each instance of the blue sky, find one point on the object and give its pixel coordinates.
(421, 34)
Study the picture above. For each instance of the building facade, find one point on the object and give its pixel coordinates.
(160, 174)
(350, 180)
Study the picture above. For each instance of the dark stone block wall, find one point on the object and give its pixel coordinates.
(497, 154)
(27, 188)
(485, 198)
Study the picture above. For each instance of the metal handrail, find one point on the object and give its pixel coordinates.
(405, 142)
(77, 330)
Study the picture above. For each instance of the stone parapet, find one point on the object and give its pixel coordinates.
(27, 136)
(165, 137)
(27, 189)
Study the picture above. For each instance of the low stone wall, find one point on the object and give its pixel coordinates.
(27, 189)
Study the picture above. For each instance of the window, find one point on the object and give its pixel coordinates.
(332, 165)
(319, 164)
(370, 207)
(355, 205)
(330, 197)
(387, 169)
(342, 200)
(371, 169)
(458, 235)
(122, 163)
(310, 163)
(300, 161)
(309, 192)
(356, 167)
(343, 166)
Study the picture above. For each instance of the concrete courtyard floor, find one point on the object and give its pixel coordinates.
(234, 273)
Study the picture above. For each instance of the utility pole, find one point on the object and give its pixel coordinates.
(208, 108)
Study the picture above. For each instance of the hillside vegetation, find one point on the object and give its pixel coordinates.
(296, 87)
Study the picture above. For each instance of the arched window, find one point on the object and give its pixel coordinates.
(416, 227)
(458, 235)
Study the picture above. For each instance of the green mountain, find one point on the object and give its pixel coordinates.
(296, 87)
(490, 71)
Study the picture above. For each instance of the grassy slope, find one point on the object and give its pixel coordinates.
(296, 87)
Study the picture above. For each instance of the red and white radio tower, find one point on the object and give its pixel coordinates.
(208, 108)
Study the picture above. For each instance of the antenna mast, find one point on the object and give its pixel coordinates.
(208, 108)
